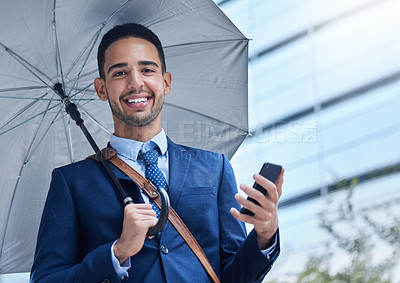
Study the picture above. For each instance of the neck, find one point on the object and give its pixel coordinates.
(142, 134)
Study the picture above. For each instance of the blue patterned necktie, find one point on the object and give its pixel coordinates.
(153, 173)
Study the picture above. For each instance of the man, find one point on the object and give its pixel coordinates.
(87, 236)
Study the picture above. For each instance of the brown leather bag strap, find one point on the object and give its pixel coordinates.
(149, 189)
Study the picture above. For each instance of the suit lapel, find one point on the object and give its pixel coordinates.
(179, 160)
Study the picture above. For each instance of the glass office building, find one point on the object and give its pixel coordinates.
(324, 90)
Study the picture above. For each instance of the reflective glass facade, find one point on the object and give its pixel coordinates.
(324, 90)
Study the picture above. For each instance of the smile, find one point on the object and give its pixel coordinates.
(137, 100)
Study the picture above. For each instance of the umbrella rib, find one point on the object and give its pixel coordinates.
(95, 120)
(57, 54)
(83, 91)
(40, 98)
(30, 98)
(92, 41)
(22, 88)
(206, 116)
(20, 112)
(12, 201)
(115, 12)
(86, 88)
(31, 152)
(27, 120)
(69, 138)
(206, 42)
(28, 66)
(94, 71)
(43, 136)
(86, 59)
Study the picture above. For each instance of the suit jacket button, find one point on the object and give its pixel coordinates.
(164, 249)
(106, 280)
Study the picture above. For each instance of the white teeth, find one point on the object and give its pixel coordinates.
(137, 100)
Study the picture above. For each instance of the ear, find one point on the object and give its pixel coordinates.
(167, 82)
(100, 88)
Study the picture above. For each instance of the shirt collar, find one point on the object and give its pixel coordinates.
(130, 148)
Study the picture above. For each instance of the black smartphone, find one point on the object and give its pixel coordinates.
(269, 171)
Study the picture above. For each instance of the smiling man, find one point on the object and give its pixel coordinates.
(135, 83)
(87, 236)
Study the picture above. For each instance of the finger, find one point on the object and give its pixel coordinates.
(271, 194)
(261, 211)
(140, 215)
(262, 199)
(146, 212)
(141, 208)
(279, 183)
(138, 206)
(247, 204)
(244, 217)
(251, 192)
(270, 187)
(240, 216)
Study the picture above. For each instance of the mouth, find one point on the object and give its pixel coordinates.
(137, 100)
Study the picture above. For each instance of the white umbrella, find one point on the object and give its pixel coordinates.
(55, 41)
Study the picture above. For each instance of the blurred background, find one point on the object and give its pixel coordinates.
(324, 90)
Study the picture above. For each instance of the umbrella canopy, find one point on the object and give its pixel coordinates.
(55, 41)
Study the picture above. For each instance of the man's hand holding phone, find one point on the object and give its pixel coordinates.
(260, 208)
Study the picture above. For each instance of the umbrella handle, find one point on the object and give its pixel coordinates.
(164, 209)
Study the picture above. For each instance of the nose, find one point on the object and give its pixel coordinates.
(135, 80)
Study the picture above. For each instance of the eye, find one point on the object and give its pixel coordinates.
(147, 70)
(119, 73)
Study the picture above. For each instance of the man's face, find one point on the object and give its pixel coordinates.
(134, 83)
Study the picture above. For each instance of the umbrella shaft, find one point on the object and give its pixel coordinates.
(88, 136)
(72, 110)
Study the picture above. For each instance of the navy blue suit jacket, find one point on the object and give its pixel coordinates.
(83, 216)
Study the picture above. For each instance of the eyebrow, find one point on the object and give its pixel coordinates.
(141, 63)
(146, 63)
(118, 65)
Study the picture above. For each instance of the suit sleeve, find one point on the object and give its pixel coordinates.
(59, 256)
(241, 258)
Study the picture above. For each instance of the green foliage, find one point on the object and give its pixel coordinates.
(354, 234)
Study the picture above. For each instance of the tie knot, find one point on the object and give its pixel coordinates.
(149, 157)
